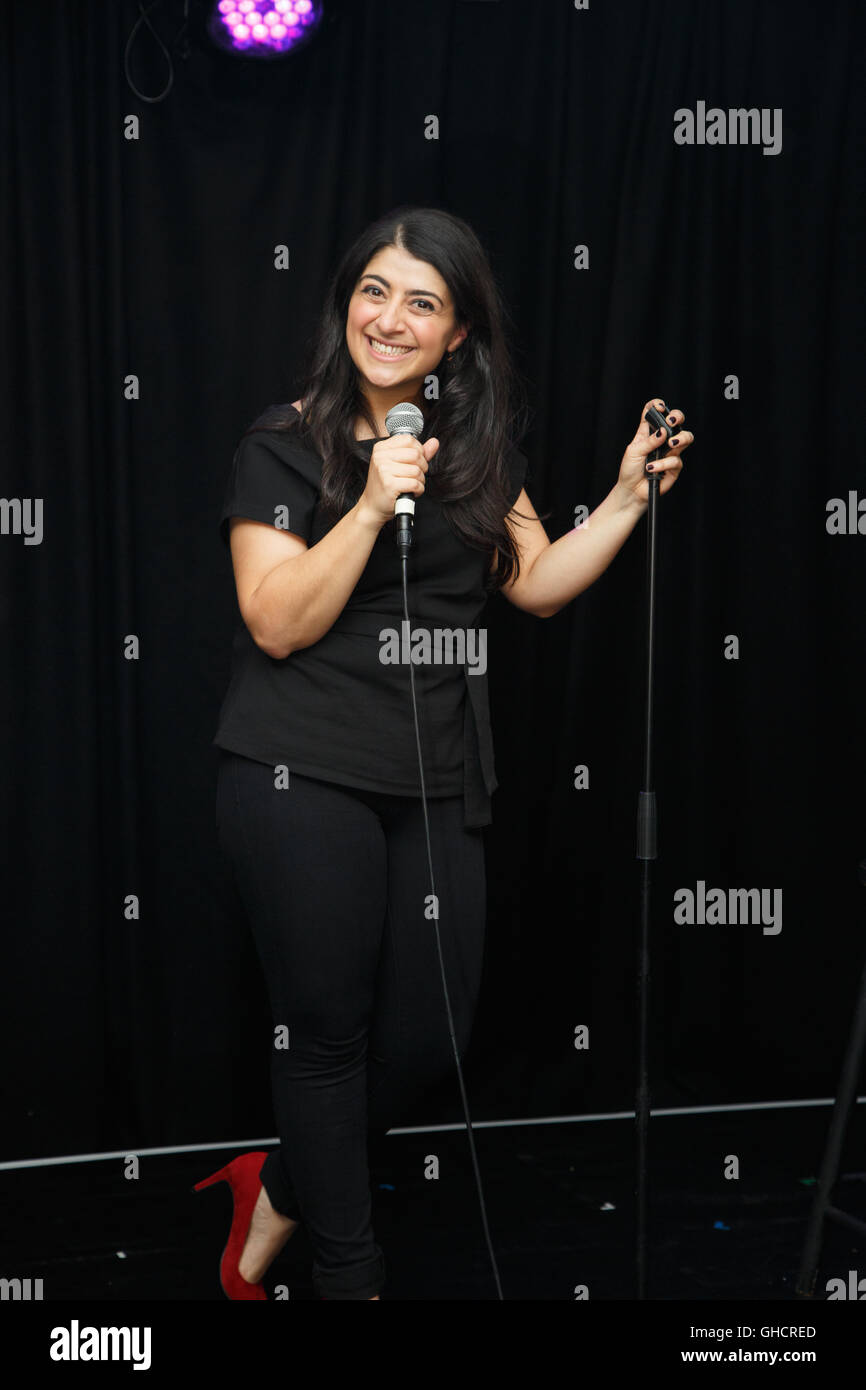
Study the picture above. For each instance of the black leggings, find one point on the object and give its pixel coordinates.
(335, 885)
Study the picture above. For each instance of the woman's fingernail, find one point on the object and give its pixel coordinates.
(650, 467)
(659, 433)
(674, 443)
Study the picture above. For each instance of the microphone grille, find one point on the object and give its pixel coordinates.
(404, 418)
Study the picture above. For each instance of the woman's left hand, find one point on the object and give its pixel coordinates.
(633, 477)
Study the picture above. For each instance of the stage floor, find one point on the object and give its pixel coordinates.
(559, 1201)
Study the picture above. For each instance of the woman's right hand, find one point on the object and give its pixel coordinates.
(398, 464)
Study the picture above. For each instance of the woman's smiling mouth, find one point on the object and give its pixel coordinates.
(385, 351)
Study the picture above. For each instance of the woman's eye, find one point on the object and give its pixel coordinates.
(370, 289)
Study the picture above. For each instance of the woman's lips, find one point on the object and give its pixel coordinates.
(388, 356)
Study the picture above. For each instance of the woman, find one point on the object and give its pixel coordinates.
(318, 801)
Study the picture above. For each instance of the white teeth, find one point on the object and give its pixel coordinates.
(388, 349)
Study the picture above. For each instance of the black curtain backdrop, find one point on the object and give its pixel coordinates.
(137, 240)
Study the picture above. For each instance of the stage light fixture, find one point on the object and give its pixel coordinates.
(263, 28)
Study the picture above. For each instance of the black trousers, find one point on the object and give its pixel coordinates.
(335, 885)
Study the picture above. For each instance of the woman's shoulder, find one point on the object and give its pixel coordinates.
(277, 417)
(274, 434)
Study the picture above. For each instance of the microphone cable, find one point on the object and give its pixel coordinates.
(404, 542)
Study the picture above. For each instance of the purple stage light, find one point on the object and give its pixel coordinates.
(263, 28)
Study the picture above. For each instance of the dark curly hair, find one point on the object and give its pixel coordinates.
(481, 409)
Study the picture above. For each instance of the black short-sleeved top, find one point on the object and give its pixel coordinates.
(335, 710)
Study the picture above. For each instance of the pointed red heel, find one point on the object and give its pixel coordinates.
(242, 1176)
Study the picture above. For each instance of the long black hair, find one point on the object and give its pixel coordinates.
(481, 408)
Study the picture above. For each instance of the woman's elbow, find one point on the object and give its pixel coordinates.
(278, 648)
(277, 652)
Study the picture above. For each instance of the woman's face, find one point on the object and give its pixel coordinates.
(400, 302)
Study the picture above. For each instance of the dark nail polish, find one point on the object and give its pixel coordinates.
(650, 467)
(674, 442)
(659, 433)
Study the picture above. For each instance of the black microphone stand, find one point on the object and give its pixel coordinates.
(646, 853)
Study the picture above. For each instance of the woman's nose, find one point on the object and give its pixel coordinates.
(390, 318)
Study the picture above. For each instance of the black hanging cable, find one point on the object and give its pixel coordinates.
(404, 542)
(407, 419)
(176, 44)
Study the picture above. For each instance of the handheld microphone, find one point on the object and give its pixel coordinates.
(404, 419)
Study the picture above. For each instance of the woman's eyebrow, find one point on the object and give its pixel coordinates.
(383, 281)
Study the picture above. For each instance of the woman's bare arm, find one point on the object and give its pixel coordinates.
(289, 593)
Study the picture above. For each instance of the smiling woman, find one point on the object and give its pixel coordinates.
(413, 315)
(319, 799)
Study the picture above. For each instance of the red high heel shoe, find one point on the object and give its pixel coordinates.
(242, 1176)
